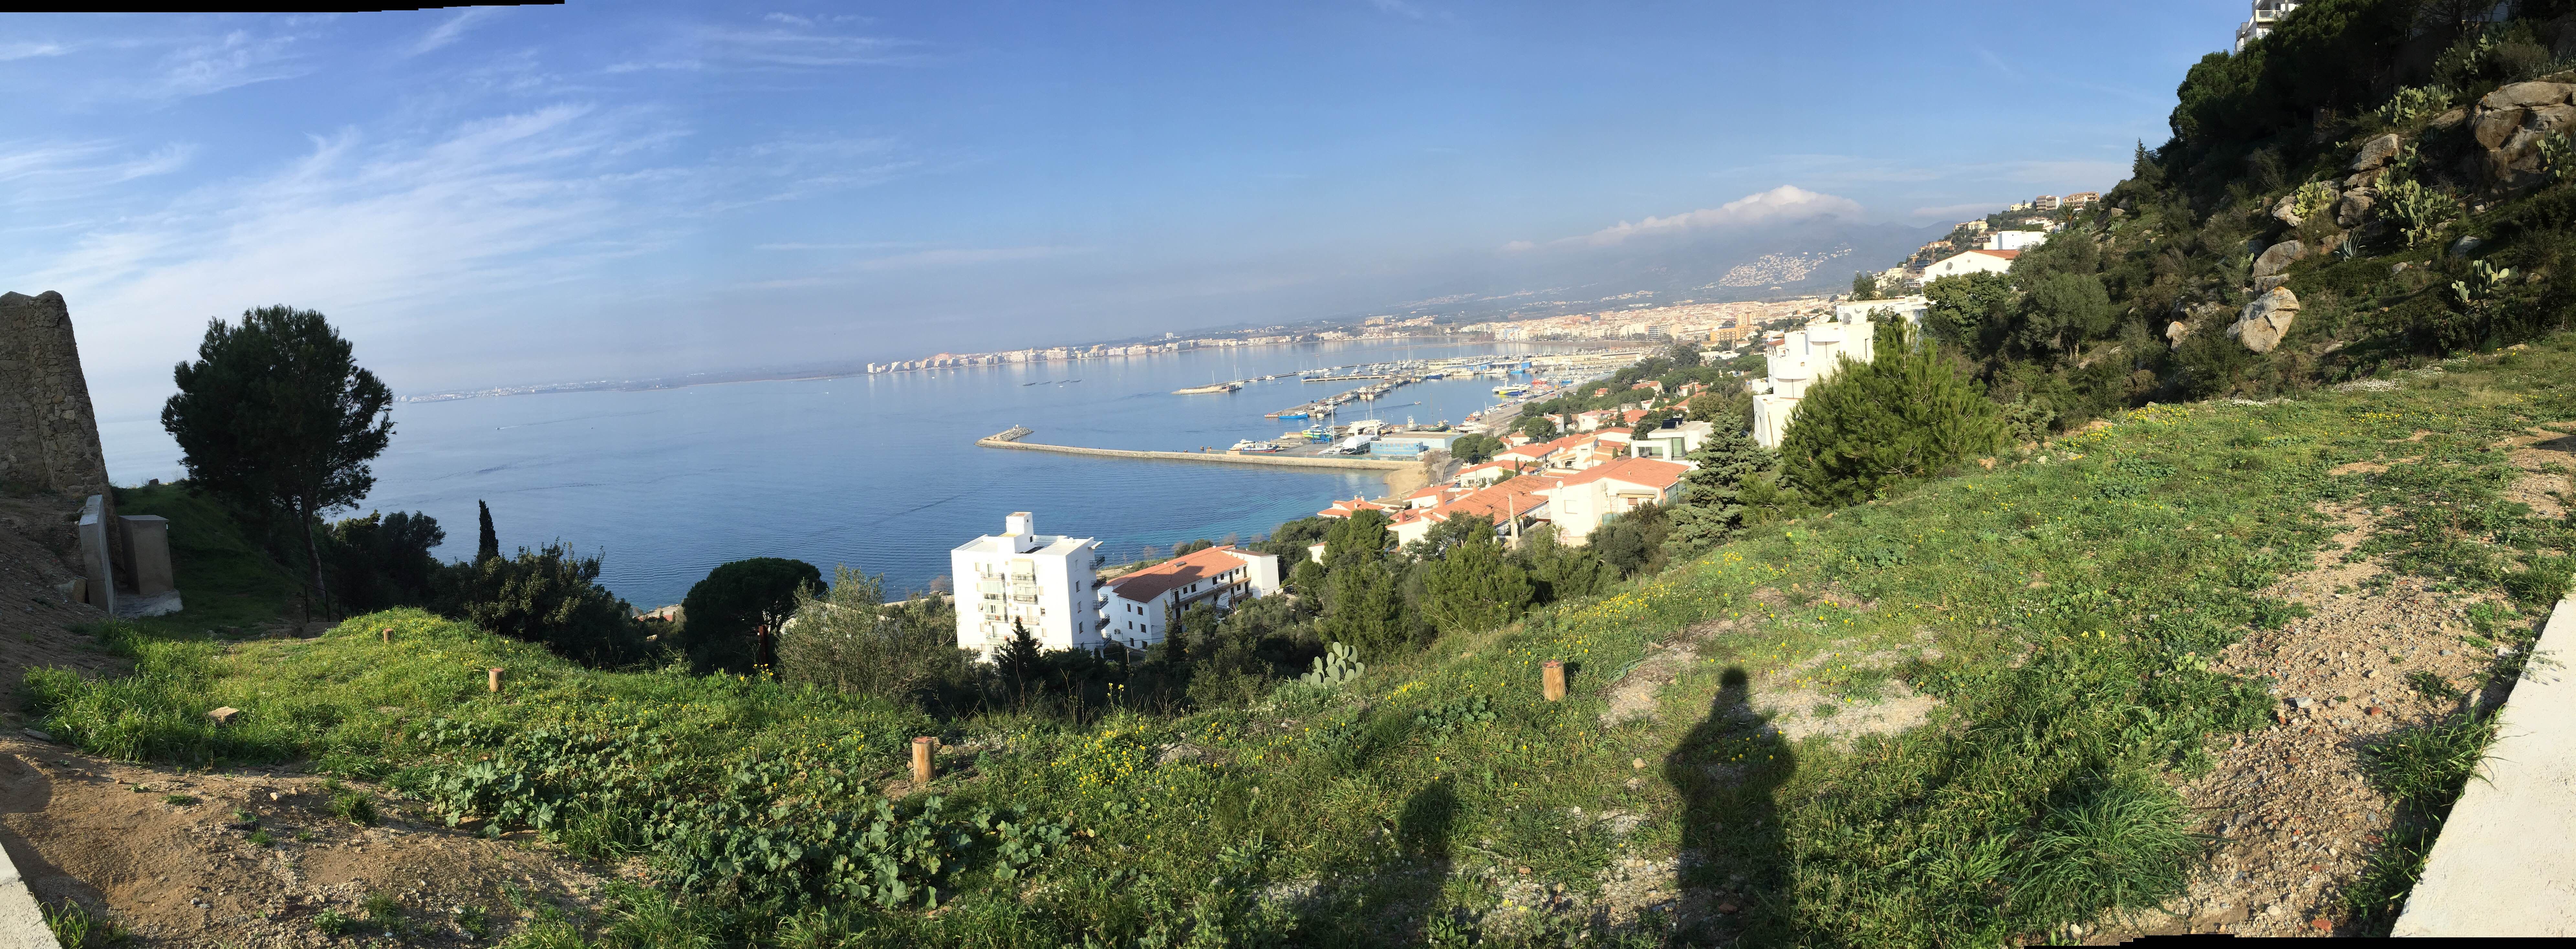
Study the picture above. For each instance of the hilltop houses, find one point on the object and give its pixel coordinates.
(1136, 607)
(1043, 582)
(1975, 261)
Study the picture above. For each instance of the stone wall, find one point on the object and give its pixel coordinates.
(48, 433)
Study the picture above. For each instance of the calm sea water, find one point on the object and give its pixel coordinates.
(876, 472)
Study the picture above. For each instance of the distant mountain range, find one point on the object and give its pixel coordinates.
(1815, 255)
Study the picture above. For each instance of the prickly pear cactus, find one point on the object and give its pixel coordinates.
(1338, 665)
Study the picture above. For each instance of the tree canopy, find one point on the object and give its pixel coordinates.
(723, 611)
(1906, 415)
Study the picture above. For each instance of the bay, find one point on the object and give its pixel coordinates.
(880, 472)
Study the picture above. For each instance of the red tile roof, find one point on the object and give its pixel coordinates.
(2005, 254)
(1651, 472)
(1350, 507)
(1510, 497)
(1144, 585)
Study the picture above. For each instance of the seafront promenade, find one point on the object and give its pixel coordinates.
(1012, 439)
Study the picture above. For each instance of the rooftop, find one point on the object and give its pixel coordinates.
(1144, 585)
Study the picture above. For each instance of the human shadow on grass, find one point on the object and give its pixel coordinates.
(1734, 871)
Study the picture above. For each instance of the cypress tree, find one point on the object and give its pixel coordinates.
(1364, 609)
(1879, 424)
(488, 547)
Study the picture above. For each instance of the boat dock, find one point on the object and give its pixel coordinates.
(1013, 439)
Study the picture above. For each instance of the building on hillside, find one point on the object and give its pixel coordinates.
(1800, 360)
(1910, 308)
(2045, 202)
(1975, 261)
(1579, 504)
(1482, 475)
(1977, 226)
(1350, 507)
(1672, 442)
(2083, 199)
(1049, 584)
(2014, 240)
(2267, 15)
(1513, 505)
(1136, 606)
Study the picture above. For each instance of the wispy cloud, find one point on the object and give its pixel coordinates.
(861, 245)
(958, 256)
(58, 171)
(786, 47)
(234, 60)
(1399, 8)
(1784, 203)
(23, 50)
(1968, 210)
(449, 30)
(1991, 59)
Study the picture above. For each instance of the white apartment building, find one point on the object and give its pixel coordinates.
(1579, 504)
(2267, 14)
(1136, 606)
(1800, 360)
(2015, 240)
(1856, 312)
(1047, 583)
(1670, 444)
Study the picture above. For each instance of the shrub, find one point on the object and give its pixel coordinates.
(551, 596)
(848, 640)
(1875, 425)
(1475, 586)
(382, 561)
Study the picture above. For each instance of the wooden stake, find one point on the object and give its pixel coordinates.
(921, 770)
(496, 678)
(1551, 680)
(387, 633)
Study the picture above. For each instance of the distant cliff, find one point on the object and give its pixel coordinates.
(48, 433)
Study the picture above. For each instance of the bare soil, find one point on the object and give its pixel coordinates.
(37, 548)
(2291, 819)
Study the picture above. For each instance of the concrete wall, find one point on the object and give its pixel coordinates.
(48, 433)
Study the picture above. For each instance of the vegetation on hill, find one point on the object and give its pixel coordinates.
(2062, 613)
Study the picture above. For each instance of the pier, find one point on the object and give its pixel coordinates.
(1012, 439)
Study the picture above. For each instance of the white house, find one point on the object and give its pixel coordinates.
(1136, 606)
(1044, 582)
(1857, 311)
(1670, 444)
(2267, 14)
(1975, 261)
(1579, 504)
(1800, 360)
(2015, 240)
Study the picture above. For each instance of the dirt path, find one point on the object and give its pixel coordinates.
(173, 858)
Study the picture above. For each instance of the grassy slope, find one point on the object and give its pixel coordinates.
(2038, 794)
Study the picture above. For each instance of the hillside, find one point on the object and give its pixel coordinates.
(1996, 706)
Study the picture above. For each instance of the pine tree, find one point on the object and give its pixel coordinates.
(1712, 503)
(1875, 425)
(1475, 587)
(1024, 660)
(1359, 537)
(489, 546)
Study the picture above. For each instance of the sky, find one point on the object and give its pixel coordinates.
(495, 196)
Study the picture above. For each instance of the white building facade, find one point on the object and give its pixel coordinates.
(1136, 608)
(1975, 261)
(1047, 583)
(1801, 360)
(2267, 14)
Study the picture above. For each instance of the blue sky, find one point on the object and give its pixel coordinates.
(506, 195)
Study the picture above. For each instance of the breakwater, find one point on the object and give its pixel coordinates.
(1227, 458)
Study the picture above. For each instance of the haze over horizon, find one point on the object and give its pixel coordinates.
(502, 196)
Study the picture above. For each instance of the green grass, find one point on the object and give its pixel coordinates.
(2063, 613)
(227, 581)
(75, 927)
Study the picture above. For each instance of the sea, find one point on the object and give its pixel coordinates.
(879, 473)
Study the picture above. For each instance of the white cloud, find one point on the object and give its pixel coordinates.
(1518, 246)
(454, 27)
(236, 59)
(1998, 62)
(789, 19)
(60, 171)
(957, 256)
(1398, 8)
(12, 51)
(1961, 211)
(862, 245)
(1784, 203)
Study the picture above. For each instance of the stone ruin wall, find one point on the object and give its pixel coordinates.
(48, 432)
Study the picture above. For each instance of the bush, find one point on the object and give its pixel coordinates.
(550, 596)
(724, 611)
(848, 640)
(1876, 425)
(1475, 586)
(382, 561)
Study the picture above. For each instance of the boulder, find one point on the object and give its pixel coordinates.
(2266, 320)
(2286, 210)
(2176, 332)
(2466, 245)
(2495, 125)
(2262, 284)
(2278, 258)
(2354, 208)
(2451, 119)
(2376, 153)
(2524, 95)
(2365, 179)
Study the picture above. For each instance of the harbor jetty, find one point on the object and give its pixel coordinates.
(1014, 438)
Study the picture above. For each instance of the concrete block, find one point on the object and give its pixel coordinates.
(2506, 861)
(147, 553)
(96, 555)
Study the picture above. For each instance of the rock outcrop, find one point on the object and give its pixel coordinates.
(2278, 257)
(48, 433)
(2509, 124)
(2376, 153)
(2354, 208)
(2266, 320)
